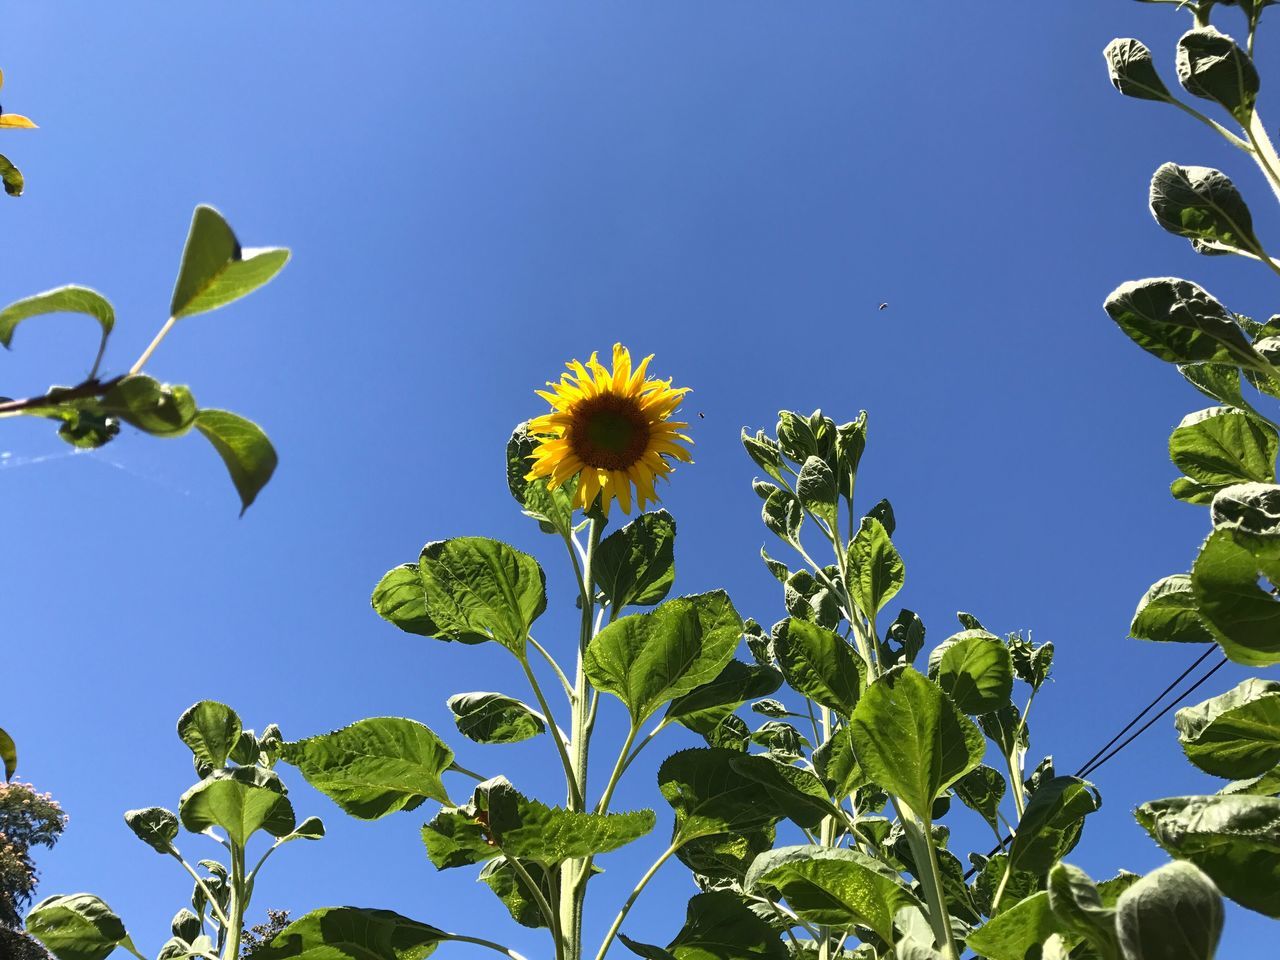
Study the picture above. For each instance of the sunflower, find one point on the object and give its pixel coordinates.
(612, 429)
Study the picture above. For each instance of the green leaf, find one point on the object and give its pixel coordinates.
(1051, 824)
(981, 790)
(311, 828)
(1203, 205)
(1076, 902)
(510, 887)
(553, 509)
(783, 515)
(1212, 67)
(975, 670)
(1132, 71)
(737, 683)
(718, 926)
(244, 448)
(78, 926)
(186, 925)
(912, 740)
(1167, 613)
(782, 741)
(11, 177)
(401, 599)
(352, 933)
(635, 565)
(1244, 617)
(494, 718)
(8, 755)
(154, 826)
(816, 488)
(211, 730)
(820, 665)
(648, 659)
(1220, 446)
(156, 408)
(903, 640)
(68, 299)
(1251, 511)
(1219, 382)
(499, 820)
(374, 767)
(763, 449)
(876, 570)
(215, 270)
(1235, 734)
(241, 801)
(1173, 913)
(1266, 785)
(1178, 321)
(475, 588)
(832, 886)
(837, 765)
(1013, 933)
(1234, 839)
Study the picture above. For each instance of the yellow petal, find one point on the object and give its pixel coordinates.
(16, 120)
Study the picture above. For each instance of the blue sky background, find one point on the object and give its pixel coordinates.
(474, 193)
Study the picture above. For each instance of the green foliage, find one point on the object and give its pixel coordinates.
(1235, 734)
(635, 566)
(77, 927)
(494, 718)
(352, 933)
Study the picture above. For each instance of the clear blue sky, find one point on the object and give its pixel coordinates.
(475, 192)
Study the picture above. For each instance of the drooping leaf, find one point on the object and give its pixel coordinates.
(1203, 205)
(876, 571)
(68, 299)
(911, 739)
(1234, 839)
(494, 718)
(211, 730)
(820, 664)
(737, 683)
(1173, 913)
(1235, 734)
(1167, 613)
(1211, 66)
(501, 821)
(635, 565)
(475, 588)
(154, 826)
(981, 790)
(78, 926)
(648, 659)
(1132, 71)
(1180, 322)
(249, 457)
(1051, 824)
(553, 509)
(215, 270)
(1244, 617)
(352, 933)
(241, 801)
(374, 767)
(975, 670)
(833, 886)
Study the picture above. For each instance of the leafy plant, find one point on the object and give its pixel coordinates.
(11, 176)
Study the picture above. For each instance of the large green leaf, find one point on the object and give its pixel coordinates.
(241, 801)
(876, 571)
(401, 599)
(1173, 913)
(819, 664)
(249, 457)
(1204, 206)
(817, 489)
(635, 566)
(1167, 613)
(648, 659)
(499, 820)
(1013, 933)
(783, 515)
(1178, 321)
(1132, 71)
(8, 755)
(975, 670)
(1251, 511)
(912, 739)
(981, 790)
(1210, 65)
(474, 587)
(215, 270)
(374, 767)
(1234, 839)
(1236, 734)
(154, 826)
(78, 926)
(1243, 616)
(1078, 906)
(1221, 446)
(553, 509)
(352, 933)
(718, 926)
(737, 683)
(833, 886)
(494, 718)
(68, 299)
(211, 730)
(1051, 824)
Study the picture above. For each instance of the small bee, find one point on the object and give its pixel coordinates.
(883, 305)
(701, 415)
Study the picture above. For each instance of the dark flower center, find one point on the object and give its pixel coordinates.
(609, 432)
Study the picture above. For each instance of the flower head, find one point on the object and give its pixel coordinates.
(612, 429)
